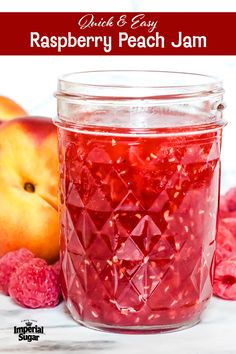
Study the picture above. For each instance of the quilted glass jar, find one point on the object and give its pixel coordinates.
(139, 187)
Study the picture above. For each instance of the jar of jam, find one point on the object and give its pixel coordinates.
(139, 188)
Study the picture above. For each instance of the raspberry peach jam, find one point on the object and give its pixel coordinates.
(139, 170)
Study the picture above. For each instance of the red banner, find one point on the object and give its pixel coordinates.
(117, 33)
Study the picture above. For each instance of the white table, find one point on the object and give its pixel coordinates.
(216, 334)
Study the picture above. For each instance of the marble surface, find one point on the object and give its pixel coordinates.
(214, 335)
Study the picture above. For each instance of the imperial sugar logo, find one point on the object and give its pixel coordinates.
(29, 331)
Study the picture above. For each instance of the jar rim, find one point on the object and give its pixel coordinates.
(136, 84)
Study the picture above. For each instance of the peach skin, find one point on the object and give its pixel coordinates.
(28, 187)
(9, 109)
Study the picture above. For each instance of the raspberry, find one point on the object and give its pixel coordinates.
(225, 245)
(35, 285)
(230, 224)
(223, 233)
(57, 268)
(224, 285)
(9, 263)
(223, 209)
(230, 198)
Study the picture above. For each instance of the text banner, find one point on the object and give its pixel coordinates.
(117, 33)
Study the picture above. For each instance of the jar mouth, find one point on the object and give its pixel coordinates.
(139, 102)
(137, 84)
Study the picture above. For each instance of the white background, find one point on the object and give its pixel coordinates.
(31, 81)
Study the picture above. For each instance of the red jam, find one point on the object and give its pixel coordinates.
(138, 221)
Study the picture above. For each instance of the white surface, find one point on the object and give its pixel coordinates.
(214, 335)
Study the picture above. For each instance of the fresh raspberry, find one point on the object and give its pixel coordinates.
(223, 253)
(225, 243)
(230, 198)
(9, 263)
(57, 268)
(224, 284)
(224, 211)
(230, 224)
(35, 284)
(223, 233)
(223, 208)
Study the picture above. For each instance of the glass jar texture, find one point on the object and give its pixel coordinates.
(139, 187)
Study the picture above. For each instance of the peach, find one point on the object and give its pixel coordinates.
(28, 187)
(9, 109)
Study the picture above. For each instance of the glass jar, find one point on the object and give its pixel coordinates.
(139, 187)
